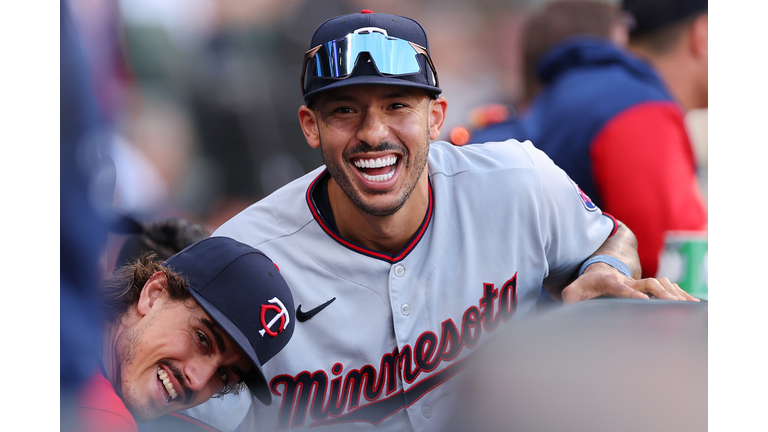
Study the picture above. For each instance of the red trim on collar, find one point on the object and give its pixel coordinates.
(360, 248)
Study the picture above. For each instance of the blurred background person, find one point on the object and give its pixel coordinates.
(82, 232)
(615, 121)
(543, 27)
(86, 187)
(87, 214)
(558, 20)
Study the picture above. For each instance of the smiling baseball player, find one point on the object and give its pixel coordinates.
(404, 256)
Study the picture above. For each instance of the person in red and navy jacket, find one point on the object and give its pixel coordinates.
(614, 119)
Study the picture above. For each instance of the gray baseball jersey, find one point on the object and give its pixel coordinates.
(380, 338)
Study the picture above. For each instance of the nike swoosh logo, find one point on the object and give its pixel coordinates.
(303, 316)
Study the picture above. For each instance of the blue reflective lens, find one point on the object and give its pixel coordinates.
(392, 56)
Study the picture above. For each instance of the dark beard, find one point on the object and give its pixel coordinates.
(340, 176)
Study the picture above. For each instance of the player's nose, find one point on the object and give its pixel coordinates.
(373, 128)
(199, 372)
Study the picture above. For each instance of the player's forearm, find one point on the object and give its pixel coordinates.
(622, 245)
(601, 278)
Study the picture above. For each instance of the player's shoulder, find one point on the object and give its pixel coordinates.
(449, 159)
(497, 174)
(280, 214)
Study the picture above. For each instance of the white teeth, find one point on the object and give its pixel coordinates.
(376, 163)
(167, 382)
(171, 391)
(379, 178)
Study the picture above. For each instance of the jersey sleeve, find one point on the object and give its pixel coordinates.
(645, 172)
(572, 226)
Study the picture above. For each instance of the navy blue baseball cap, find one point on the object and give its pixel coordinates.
(368, 48)
(242, 290)
(649, 15)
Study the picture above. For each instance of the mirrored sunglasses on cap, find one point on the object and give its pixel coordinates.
(392, 56)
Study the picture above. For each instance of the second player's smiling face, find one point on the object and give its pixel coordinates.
(375, 142)
(174, 358)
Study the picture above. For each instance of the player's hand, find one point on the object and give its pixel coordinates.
(600, 279)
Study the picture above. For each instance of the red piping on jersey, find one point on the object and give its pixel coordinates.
(362, 249)
(615, 223)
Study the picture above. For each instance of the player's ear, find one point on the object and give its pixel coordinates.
(437, 110)
(699, 41)
(620, 33)
(153, 290)
(309, 126)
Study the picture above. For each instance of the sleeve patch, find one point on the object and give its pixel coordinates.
(588, 204)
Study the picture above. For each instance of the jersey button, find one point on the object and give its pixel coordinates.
(405, 309)
(426, 411)
(399, 270)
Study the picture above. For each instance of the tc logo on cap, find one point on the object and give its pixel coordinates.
(281, 315)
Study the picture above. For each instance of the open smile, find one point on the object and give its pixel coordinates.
(377, 170)
(165, 379)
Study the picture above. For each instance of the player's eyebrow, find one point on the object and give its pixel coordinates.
(216, 334)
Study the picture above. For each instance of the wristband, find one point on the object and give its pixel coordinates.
(607, 259)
